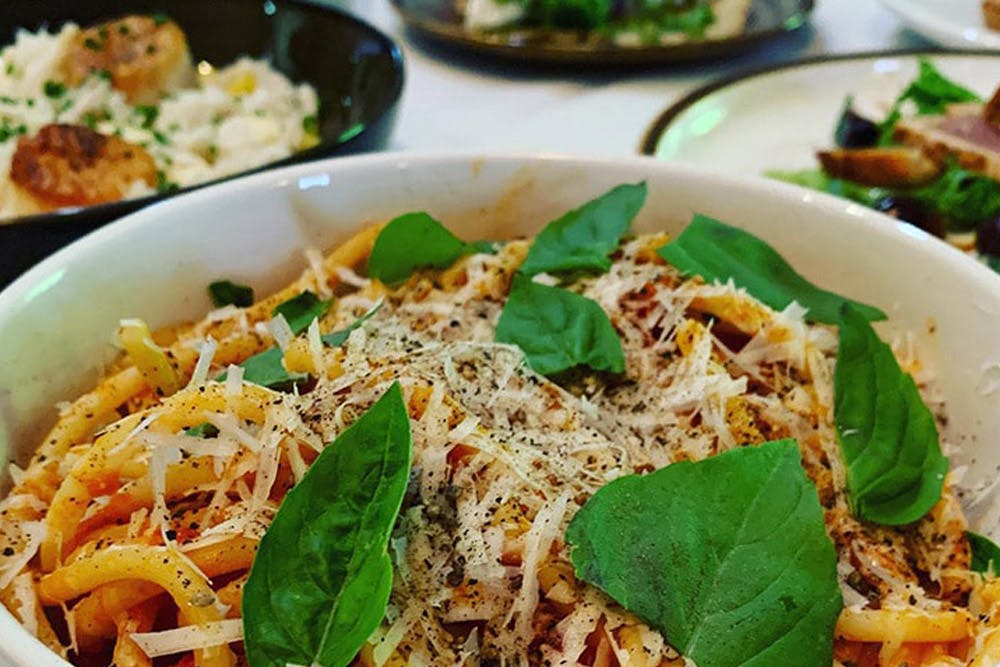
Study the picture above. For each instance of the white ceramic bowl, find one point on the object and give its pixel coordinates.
(56, 322)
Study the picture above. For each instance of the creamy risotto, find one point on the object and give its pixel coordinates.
(89, 115)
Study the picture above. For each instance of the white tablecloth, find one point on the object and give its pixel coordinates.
(458, 101)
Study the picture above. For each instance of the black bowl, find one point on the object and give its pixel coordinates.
(356, 70)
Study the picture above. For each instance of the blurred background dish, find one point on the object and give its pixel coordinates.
(444, 20)
(959, 24)
(779, 116)
(907, 134)
(355, 71)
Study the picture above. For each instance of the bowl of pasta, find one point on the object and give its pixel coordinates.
(457, 409)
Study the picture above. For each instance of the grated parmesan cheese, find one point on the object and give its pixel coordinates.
(189, 637)
(201, 368)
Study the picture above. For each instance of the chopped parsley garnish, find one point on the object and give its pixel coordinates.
(93, 44)
(310, 125)
(161, 138)
(160, 18)
(54, 89)
(163, 185)
(149, 113)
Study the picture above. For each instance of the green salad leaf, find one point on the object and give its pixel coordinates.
(228, 293)
(931, 92)
(558, 329)
(416, 241)
(655, 18)
(301, 310)
(321, 579)
(895, 468)
(819, 180)
(582, 239)
(985, 553)
(718, 252)
(568, 13)
(965, 199)
(728, 557)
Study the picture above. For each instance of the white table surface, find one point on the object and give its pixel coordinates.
(459, 101)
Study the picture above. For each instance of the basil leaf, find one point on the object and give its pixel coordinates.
(985, 553)
(203, 430)
(267, 370)
(558, 330)
(228, 293)
(321, 579)
(416, 241)
(338, 338)
(728, 557)
(301, 310)
(582, 239)
(895, 469)
(718, 252)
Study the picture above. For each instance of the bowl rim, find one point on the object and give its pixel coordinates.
(22, 649)
(281, 178)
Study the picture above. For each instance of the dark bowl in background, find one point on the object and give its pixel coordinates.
(356, 70)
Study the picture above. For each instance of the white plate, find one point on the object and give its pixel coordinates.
(778, 118)
(56, 320)
(955, 23)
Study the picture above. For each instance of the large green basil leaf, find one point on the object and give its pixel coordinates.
(301, 310)
(558, 329)
(321, 579)
(416, 241)
(728, 557)
(582, 239)
(895, 469)
(985, 553)
(718, 252)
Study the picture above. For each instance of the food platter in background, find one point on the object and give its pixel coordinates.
(956, 23)
(734, 126)
(356, 71)
(442, 21)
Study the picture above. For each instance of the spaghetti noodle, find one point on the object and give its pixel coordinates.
(131, 533)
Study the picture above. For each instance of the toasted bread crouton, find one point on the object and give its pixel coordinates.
(962, 134)
(144, 56)
(991, 13)
(881, 167)
(72, 165)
